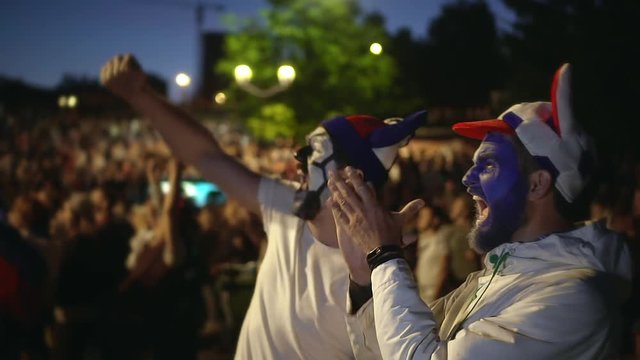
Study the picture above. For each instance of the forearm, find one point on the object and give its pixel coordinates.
(171, 213)
(189, 140)
(193, 144)
(405, 326)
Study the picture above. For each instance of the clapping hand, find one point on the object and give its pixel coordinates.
(362, 224)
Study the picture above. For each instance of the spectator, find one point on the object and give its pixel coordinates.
(433, 252)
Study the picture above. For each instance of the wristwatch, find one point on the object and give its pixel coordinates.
(382, 254)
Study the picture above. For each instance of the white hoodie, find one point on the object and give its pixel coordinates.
(555, 298)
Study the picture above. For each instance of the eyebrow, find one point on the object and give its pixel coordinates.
(484, 154)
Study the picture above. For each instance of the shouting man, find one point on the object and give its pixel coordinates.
(550, 288)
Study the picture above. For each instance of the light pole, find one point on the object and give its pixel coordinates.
(243, 74)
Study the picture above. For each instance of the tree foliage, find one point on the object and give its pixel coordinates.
(275, 120)
(327, 42)
(599, 38)
(463, 60)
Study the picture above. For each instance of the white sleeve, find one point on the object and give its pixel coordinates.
(405, 326)
(542, 324)
(275, 195)
(362, 332)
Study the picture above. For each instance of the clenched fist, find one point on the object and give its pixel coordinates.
(123, 76)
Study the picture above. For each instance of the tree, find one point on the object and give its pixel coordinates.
(464, 61)
(327, 42)
(596, 36)
(409, 91)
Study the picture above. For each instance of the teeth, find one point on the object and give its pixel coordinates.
(483, 209)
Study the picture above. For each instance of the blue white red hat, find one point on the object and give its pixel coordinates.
(365, 142)
(549, 132)
(371, 144)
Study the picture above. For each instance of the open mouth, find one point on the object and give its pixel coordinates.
(482, 209)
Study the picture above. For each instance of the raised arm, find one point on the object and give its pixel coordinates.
(169, 217)
(189, 141)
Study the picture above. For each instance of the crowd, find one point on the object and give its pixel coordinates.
(96, 260)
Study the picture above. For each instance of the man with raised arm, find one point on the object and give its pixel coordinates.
(551, 289)
(298, 306)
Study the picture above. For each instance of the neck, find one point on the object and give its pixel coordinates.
(540, 223)
(323, 228)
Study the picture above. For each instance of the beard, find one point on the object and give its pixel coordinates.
(505, 217)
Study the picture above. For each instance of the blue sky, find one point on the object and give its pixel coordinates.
(42, 40)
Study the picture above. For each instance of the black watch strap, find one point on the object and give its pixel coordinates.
(383, 254)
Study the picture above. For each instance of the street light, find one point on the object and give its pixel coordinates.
(72, 101)
(183, 81)
(220, 98)
(67, 101)
(286, 75)
(243, 74)
(62, 101)
(375, 48)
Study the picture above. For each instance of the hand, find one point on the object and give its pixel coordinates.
(355, 258)
(174, 170)
(124, 77)
(152, 170)
(357, 213)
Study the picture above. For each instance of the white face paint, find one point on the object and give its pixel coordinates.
(320, 161)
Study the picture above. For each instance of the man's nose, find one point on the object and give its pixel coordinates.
(470, 178)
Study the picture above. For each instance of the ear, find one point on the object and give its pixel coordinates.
(540, 185)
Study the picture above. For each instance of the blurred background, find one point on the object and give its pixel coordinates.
(83, 180)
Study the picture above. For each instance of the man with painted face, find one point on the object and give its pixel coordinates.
(298, 306)
(550, 289)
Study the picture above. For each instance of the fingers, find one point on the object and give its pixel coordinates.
(129, 62)
(109, 69)
(104, 72)
(124, 62)
(339, 216)
(408, 239)
(343, 213)
(364, 191)
(411, 209)
(343, 195)
(117, 65)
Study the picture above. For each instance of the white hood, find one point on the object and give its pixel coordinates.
(591, 246)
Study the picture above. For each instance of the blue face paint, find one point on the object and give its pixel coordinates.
(499, 189)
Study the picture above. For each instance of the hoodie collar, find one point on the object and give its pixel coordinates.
(590, 246)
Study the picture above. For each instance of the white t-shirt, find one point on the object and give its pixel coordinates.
(298, 306)
(432, 249)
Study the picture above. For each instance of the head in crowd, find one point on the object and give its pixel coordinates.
(460, 210)
(431, 217)
(75, 217)
(27, 215)
(362, 141)
(535, 161)
(101, 202)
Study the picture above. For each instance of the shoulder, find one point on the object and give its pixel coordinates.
(276, 197)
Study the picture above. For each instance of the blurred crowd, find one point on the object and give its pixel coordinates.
(104, 253)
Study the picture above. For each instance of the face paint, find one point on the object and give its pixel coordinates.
(319, 159)
(499, 190)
